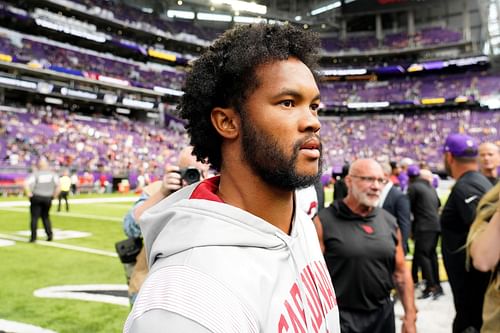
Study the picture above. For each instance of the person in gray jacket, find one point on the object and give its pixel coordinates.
(41, 187)
(234, 253)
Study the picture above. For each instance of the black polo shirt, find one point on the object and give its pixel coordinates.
(360, 255)
(460, 209)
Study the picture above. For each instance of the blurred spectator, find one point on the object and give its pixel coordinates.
(102, 183)
(489, 161)
(151, 195)
(425, 204)
(65, 186)
(394, 173)
(427, 175)
(339, 187)
(41, 187)
(484, 249)
(74, 182)
(468, 287)
(396, 202)
(403, 175)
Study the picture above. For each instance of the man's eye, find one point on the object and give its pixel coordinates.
(287, 103)
(314, 107)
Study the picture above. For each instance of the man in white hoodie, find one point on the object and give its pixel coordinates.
(232, 253)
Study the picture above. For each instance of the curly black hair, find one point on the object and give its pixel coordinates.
(224, 76)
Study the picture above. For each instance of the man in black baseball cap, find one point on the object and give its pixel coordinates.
(468, 286)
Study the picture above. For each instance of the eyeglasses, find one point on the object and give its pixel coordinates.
(371, 180)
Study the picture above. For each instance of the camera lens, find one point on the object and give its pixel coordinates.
(190, 175)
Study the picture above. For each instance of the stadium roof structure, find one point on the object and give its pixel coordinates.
(326, 14)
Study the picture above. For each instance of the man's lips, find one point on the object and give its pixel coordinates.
(311, 144)
(311, 148)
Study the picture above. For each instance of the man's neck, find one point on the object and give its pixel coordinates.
(356, 207)
(243, 189)
(461, 169)
(490, 173)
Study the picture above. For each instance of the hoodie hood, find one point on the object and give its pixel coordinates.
(195, 217)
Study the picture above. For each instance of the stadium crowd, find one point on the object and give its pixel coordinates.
(127, 146)
(88, 146)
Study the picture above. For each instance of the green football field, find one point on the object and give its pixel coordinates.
(69, 260)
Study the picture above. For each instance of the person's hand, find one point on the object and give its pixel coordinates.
(409, 323)
(172, 180)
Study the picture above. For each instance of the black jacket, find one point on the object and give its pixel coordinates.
(425, 205)
(397, 203)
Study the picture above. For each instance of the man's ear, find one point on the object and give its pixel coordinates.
(449, 158)
(348, 181)
(226, 122)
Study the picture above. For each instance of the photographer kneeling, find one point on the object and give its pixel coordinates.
(186, 172)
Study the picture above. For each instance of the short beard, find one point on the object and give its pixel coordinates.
(264, 155)
(363, 199)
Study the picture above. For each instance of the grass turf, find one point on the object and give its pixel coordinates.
(27, 267)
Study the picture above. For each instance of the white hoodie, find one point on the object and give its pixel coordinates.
(218, 268)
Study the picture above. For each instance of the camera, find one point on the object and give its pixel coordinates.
(190, 175)
(128, 249)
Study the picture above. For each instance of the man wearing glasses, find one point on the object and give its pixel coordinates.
(364, 254)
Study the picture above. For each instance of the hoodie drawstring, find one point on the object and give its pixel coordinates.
(303, 289)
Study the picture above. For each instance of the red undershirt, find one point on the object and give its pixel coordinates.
(207, 190)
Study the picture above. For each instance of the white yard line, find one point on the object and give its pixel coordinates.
(83, 216)
(26, 203)
(61, 246)
(14, 326)
(80, 292)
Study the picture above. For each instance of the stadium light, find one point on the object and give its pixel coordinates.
(429, 101)
(326, 8)
(461, 99)
(365, 105)
(122, 110)
(344, 72)
(18, 83)
(181, 14)
(96, 36)
(77, 93)
(415, 68)
(110, 98)
(52, 100)
(248, 19)
(492, 101)
(168, 91)
(44, 87)
(137, 103)
(241, 6)
(214, 17)
(113, 80)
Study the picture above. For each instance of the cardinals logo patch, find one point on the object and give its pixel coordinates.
(367, 228)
